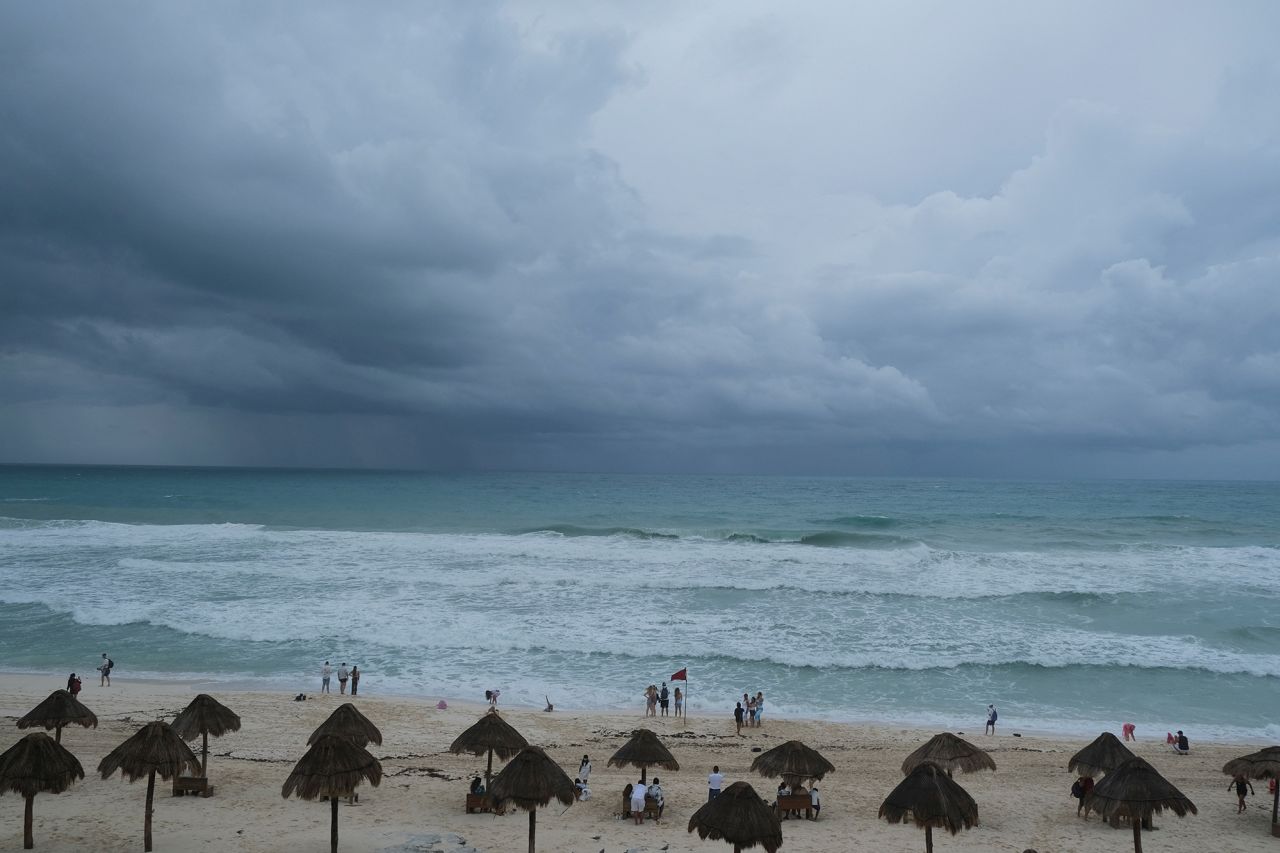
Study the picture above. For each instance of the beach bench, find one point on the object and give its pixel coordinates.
(478, 803)
(183, 785)
(650, 807)
(794, 803)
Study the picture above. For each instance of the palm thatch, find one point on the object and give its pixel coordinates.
(932, 798)
(333, 767)
(644, 750)
(493, 735)
(1103, 755)
(794, 762)
(34, 765)
(950, 753)
(1263, 764)
(1137, 791)
(349, 724)
(205, 716)
(531, 779)
(739, 817)
(153, 749)
(58, 710)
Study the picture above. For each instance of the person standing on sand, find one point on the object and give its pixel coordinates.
(105, 669)
(759, 707)
(664, 698)
(715, 781)
(679, 703)
(738, 713)
(584, 769)
(343, 675)
(355, 679)
(1241, 783)
(990, 728)
(326, 672)
(73, 685)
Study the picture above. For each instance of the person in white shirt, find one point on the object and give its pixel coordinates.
(637, 802)
(584, 769)
(326, 672)
(714, 783)
(815, 800)
(584, 793)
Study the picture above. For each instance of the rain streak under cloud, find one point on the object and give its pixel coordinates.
(832, 238)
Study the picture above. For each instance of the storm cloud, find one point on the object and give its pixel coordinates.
(714, 237)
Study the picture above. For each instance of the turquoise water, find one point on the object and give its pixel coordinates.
(1071, 605)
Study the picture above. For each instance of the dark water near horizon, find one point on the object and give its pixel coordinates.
(1072, 605)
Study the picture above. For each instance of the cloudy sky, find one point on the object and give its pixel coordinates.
(915, 238)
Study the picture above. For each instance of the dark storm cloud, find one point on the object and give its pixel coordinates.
(690, 238)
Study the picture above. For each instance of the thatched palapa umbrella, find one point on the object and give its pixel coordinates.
(1136, 791)
(794, 762)
(37, 764)
(1263, 764)
(493, 735)
(950, 753)
(205, 716)
(332, 768)
(1103, 755)
(932, 798)
(60, 709)
(739, 817)
(154, 748)
(349, 724)
(531, 779)
(644, 750)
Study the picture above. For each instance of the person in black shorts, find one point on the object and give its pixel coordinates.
(664, 699)
(1241, 785)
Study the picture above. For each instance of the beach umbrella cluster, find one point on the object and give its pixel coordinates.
(203, 717)
(1136, 790)
(493, 735)
(154, 750)
(930, 798)
(531, 779)
(336, 763)
(739, 817)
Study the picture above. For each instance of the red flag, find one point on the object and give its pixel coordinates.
(682, 675)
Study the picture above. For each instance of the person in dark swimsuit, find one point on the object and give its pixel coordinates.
(1241, 785)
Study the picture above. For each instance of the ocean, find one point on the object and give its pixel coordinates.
(1073, 606)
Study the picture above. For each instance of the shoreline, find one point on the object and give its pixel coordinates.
(1024, 804)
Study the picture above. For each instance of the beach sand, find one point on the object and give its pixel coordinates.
(1025, 804)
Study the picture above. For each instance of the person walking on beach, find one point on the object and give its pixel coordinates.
(355, 679)
(343, 675)
(992, 716)
(584, 769)
(651, 701)
(1080, 790)
(759, 707)
(105, 668)
(679, 697)
(1241, 784)
(738, 714)
(326, 672)
(715, 781)
(73, 685)
(664, 698)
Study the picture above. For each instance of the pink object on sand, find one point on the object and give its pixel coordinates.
(441, 705)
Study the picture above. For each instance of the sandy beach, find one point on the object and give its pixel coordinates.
(419, 806)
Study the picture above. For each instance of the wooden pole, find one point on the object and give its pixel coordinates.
(204, 762)
(1275, 807)
(488, 771)
(1137, 833)
(57, 734)
(151, 795)
(333, 823)
(928, 838)
(28, 816)
(533, 820)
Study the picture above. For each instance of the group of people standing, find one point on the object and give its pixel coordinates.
(344, 675)
(749, 711)
(659, 698)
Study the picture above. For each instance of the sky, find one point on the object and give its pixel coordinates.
(921, 239)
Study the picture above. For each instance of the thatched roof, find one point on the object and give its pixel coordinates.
(531, 779)
(1103, 755)
(950, 753)
(205, 715)
(793, 761)
(1136, 790)
(38, 764)
(931, 798)
(155, 746)
(60, 709)
(644, 750)
(739, 817)
(332, 767)
(1263, 764)
(346, 722)
(490, 732)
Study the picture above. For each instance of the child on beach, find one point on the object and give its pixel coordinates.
(584, 769)
(1241, 785)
